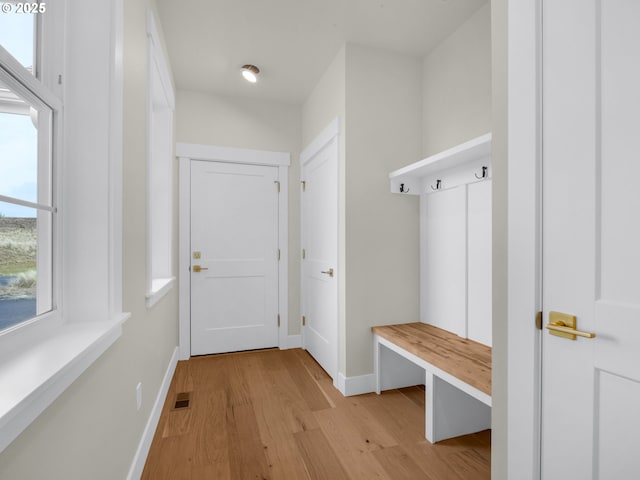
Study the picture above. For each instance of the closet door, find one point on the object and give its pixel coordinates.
(319, 222)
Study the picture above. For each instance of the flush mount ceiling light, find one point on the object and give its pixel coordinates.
(250, 73)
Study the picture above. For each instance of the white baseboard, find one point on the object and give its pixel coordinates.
(135, 472)
(350, 386)
(294, 341)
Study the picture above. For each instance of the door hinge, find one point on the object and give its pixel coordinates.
(304, 185)
(278, 254)
(539, 320)
(277, 182)
(278, 320)
(304, 254)
(304, 320)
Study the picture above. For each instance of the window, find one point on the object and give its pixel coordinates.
(160, 172)
(18, 33)
(27, 205)
(61, 189)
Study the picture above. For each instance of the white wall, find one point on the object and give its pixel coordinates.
(376, 96)
(261, 125)
(383, 133)
(457, 86)
(326, 102)
(92, 430)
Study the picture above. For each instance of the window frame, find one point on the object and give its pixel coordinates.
(160, 169)
(19, 80)
(83, 70)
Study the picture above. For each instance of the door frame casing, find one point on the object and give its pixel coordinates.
(186, 152)
(523, 184)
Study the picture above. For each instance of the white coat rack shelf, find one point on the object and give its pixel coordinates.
(466, 163)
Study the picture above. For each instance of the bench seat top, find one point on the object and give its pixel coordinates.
(462, 358)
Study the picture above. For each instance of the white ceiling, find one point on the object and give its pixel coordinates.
(293, 41)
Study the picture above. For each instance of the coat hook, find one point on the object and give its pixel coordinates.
(438, 185)
(483, 175)
(402, 189)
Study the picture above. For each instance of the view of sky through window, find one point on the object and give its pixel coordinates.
(16, 36)
(19, 275)
(18, 136)
(18, 167)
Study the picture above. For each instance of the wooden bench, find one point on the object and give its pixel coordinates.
(456, 373)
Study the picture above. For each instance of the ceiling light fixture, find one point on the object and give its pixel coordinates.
(250, 73)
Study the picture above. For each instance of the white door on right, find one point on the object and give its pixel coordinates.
(591, 239)
(319, 173)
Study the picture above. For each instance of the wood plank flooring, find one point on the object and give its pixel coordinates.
(275, 414)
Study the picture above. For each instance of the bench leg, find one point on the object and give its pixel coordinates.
(450, 412)
(376, 362)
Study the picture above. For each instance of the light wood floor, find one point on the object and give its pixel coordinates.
(275, 415)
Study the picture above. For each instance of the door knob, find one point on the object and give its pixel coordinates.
(329, 272)
(198, 268)
(564, 325)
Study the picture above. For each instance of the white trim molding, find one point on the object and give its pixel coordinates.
(357, 385)
(184, 258)
(140, 458)
(524, 233)
(68, 351)
(157, 56)
(116, 135)
(294, 341)
(159, 288)
(330, 132)
(187, 152)
(160, 168)
(196, 151)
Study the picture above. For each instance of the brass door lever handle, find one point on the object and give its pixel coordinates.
(329, 272)
(561, 327)
(564, 325)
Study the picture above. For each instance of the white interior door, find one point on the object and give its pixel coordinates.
(591, 238)
(320, 255)
(234, 257)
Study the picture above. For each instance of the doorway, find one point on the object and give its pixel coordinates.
(591, 289)
(234, 252)
(319, 207)
(233, 249)
(588, 105)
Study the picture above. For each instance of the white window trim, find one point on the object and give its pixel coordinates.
(157, 287)
(40, 359)
(190, 151)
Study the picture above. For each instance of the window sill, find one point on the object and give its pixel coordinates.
(159, 288)
(31, 379)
